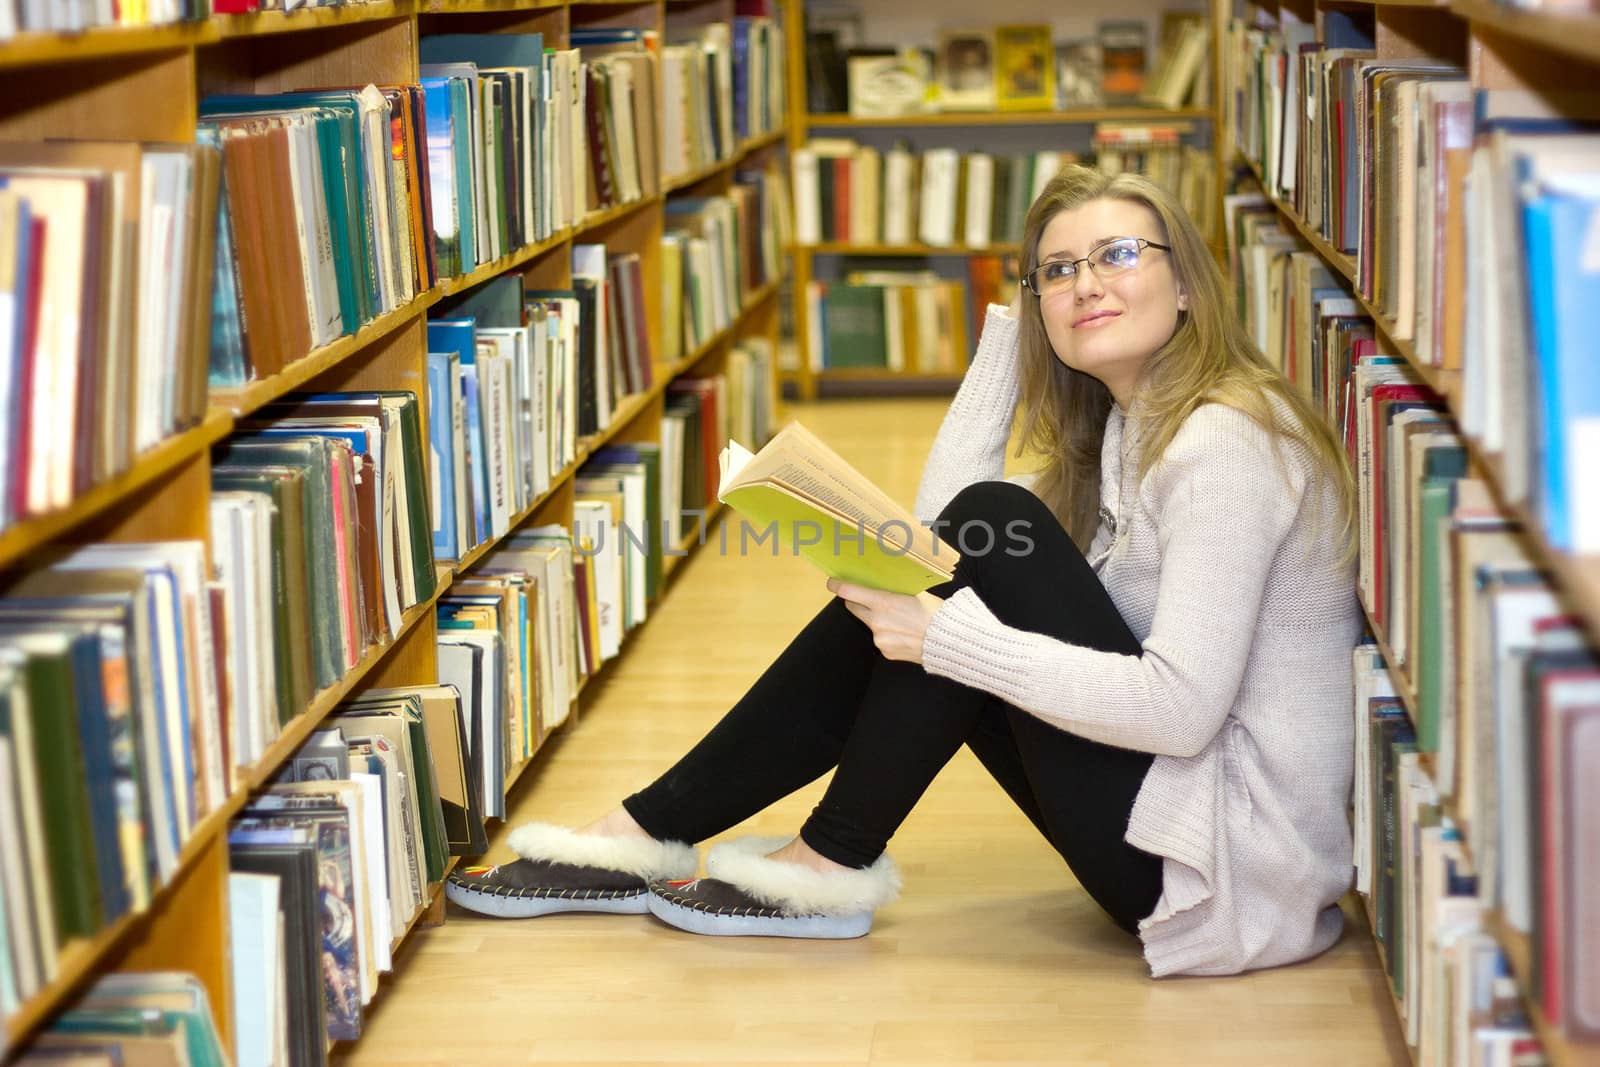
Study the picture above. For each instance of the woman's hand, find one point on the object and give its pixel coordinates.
(898, 622)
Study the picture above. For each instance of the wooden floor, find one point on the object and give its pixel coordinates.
(992, 954)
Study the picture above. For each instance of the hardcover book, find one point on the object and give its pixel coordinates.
(829, 512)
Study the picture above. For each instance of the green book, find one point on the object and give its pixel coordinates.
(64, 796)
(816, 505)
(854, 331)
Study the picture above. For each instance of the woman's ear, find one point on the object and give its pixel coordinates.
(1183, 299)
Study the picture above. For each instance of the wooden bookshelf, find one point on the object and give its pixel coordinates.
(1569, 34)
(146, 84)
(1578, 577)
(1561, 1051)
(1076, 116)
(1498, 47)
(36, 534)
(844, 248)
(495, 268)
(43, 49)
(253, 395)
(931, 128)
(265, 23)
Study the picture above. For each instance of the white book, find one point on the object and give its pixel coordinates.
(314, 242)
(24, 965)
(940, 178)
(370, 794)
(807, 198)
(592, 519)
(980, 198)
(898, 198)
(255, 942)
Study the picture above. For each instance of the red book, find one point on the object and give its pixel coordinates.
(1387, 401)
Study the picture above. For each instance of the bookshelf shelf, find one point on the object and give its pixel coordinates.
(495, 268)
(80, 959)
(371, 41)
(1577, 576)
(435, 891)
(605, 216)
(265, 23)
(462, 7)
(686, 545)
(1383, 961)
(1573, 35)
(265, 390)
(839, 248)
(32, 534)
(40, 49)
(1011, 118)
(762, 140)
(693, 177)
(1560, 1051)
(302, 726)
(879, 374)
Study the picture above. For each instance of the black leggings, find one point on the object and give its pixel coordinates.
(831, 700)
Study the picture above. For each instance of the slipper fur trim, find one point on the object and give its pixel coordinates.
(796, 890)
(638, 856)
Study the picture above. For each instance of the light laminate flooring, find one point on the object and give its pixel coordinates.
(992, 955)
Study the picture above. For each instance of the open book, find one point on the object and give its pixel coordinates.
(830, 513)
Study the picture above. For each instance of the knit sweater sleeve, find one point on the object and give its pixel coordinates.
(971, 444)
(1222, 508)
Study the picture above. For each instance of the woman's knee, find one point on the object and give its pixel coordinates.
(990, 517)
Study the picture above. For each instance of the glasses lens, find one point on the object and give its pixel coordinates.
(1053, 276)
(1116, 257)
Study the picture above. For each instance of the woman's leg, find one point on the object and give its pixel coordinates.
(1078, 792)
(890, 726)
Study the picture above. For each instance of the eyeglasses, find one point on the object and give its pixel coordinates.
(1110, 260)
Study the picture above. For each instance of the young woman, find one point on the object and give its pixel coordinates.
(1148, 647)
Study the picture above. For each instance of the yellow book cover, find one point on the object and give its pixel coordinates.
(1025, 68)
(820, 507)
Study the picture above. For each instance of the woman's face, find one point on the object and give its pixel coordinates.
(1109, 328)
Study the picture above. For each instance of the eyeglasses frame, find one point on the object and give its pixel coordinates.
(1027, 279)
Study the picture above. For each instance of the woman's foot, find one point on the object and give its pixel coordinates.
(766, 887)
(562, 870)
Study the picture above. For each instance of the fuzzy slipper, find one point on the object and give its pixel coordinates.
(560, 870)
(745, 893)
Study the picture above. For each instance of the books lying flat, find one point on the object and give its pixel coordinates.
(827, 511)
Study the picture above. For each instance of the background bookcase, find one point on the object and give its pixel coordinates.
(146, 84)
(1499, 48)
(918, 24)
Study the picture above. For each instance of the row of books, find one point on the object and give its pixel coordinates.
(1502, 683)
(348, 843)
(319, 527)
(105, 280)
(331, 862)
(899, 320)
(1458, 996)
(137, 685)
(1009, 68)
(1436, 184)
(69, 16)
(851, 193)
(722, 83)
(518, 378)
(324, 226)
(158, 1019)
(716, 252)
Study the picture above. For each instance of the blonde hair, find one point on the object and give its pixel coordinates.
(1208, 359)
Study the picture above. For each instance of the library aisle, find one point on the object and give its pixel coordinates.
(991, 954)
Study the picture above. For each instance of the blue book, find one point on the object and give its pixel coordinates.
(1564, 284)
(477, 447)
(442, 191)
(94, 743)
(442, 456)
(228, 365)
